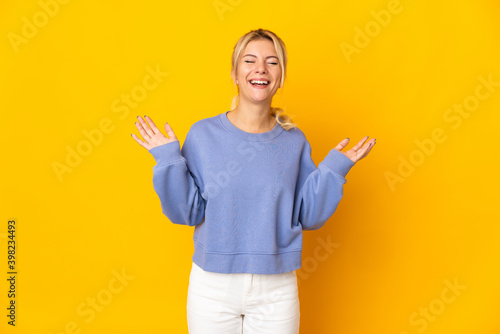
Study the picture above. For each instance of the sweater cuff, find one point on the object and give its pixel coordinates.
(338, 162)
(167, 153)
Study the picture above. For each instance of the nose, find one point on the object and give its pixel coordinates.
(260, 67)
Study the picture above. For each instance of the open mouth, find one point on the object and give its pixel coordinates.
(259, 83)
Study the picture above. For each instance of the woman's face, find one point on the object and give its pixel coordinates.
(259, 61)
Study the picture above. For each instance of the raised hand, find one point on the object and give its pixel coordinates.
(357, 152)
(152, 136)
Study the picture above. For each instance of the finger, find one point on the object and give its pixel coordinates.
(143, 144)
(143, 132)
(369, 144)
(170, 132)
(342, 144)
(146, 127)
(367, 149)
(361, 142)
(152, 124)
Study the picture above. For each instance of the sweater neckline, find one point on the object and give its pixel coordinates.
(248, 136)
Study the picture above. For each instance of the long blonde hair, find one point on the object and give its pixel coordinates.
(284, 120)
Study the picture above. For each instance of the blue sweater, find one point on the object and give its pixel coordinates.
(249, 195)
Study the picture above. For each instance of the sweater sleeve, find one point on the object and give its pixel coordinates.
(176, 185)
(321, 188)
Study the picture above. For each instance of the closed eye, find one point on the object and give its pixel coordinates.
(248, 61)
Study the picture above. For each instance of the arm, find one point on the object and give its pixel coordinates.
(175, 184)
(322, 189)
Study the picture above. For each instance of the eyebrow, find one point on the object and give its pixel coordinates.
(256, 56)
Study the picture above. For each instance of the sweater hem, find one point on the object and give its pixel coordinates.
(255, 263)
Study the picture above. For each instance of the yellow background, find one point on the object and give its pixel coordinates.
(395, 246)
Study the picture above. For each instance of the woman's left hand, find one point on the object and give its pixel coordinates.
(357, 152)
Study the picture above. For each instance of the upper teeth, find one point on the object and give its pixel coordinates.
(259, 82)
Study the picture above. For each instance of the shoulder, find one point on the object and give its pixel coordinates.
(202, 132)
(295, 135)
(204, 124)
(296, 132)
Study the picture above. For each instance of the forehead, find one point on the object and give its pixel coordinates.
(262, 46)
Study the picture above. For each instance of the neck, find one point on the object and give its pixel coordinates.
(253, 118)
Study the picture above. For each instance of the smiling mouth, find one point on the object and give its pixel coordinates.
(258, 83)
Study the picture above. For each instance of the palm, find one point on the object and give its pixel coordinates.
(359, 151)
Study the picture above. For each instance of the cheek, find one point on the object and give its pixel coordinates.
(244, 73)
(277, 79)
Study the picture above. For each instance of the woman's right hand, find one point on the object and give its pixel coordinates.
(152, 136)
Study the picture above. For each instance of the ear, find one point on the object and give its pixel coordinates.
(233, 77)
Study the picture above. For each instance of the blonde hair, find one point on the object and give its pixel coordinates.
(284, 120)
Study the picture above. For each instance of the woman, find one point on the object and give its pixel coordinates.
(246, 181)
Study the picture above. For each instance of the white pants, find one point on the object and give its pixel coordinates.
(242, 303)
